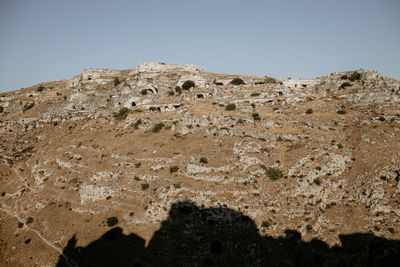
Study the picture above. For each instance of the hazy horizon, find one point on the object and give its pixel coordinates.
(47, 40)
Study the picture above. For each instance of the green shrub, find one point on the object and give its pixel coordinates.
(203, 160)
(158, 127)
(122, 114)
(309, 111)
(137, 123)
(255, 94)
(28, 106)
(188, 84)
(309, 227)
(116, 82)
(145, 186)
(136, 178)
(355, 76)
(344, 85)
(270, 80)
(341, 112)
(340, 146)
(255, 116)
(381, 118)
(137, 165)
(177, 186)
(344, 77)
(29, 220)
(178, 89)
(111, 221)
(40, 88)
(144, 92)
(237, 81)
(265, 224)
(171, 93)
(230, 107)
(173, 169)
(273, 173)
(317, 181)
(1, 109)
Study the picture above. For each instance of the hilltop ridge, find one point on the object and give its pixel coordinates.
(319, 157)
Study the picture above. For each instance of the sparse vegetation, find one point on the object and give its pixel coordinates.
(272, 173)
(158, 127)
(309, 111)
(145, 186)
(255, 116)
(265, 224)
(40, 88)
(340, 146)
(122, 114)
(341, 112)
(144, 92)
(381, 118)
(177, 186)
(344, 85)
(137, 124)
(355, 76)
(116, 82)
(188, 84)
(1, 109)
(203, 160)
(317, 181)
(28, 106)
(230, 107)
(255, 94)
(270, 80)
(237, 81)
(171, 93)
(111, 221)
(29, 220)
(173, 169)
(178, 89)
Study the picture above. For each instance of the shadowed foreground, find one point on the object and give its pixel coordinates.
(223, 237)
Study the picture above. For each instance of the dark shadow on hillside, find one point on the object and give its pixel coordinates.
(223, 237)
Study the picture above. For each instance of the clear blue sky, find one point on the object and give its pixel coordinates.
(47, 40)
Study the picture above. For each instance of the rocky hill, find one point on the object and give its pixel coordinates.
(129, 148)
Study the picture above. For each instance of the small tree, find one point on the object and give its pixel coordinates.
(116, 82)
(173, 169)
(230, 107)
(344, 85)
(144, 92)
(255, 116)
(237, 81)
(203, 160)
(178, 89)
(188, 84)
(122, 113)
(355, 76)
(158, 127)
